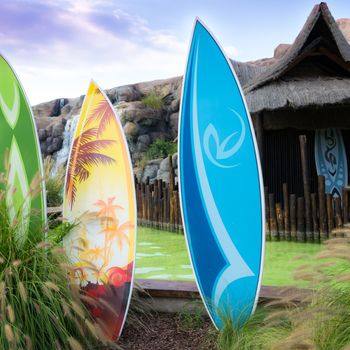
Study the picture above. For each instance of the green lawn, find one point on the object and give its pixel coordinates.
(163, 255)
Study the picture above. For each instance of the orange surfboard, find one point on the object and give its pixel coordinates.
(100, 196)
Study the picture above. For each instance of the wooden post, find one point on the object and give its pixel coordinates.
(330, 213)
(259, 132)
(273, 221)
(316, 235)
(293, 217)
(160, 204)
(280, 225)
(337, 210)
(322, 204)
(267, 214)
(143, 198)
(306, 178)
(286, 212)
(301, 219)
(345, 205)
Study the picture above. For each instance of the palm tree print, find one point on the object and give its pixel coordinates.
(86, 152)
(103, 113)
(110, 226)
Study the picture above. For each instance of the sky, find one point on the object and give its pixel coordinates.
(57, 46)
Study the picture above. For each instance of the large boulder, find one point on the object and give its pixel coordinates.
(150, 170)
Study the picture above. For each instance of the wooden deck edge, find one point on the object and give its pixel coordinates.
(188, 290)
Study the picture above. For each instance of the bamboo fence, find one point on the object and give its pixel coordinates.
(309, 218)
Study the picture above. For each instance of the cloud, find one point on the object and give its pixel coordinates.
(56, 46)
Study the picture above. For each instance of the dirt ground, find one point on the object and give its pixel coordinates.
(168, 332)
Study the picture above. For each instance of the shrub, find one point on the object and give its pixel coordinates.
(152, 100)
(160, 149)
(54, 180)
(321, 321)
(39, 307)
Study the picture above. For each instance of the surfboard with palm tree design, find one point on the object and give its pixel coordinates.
(99, 193)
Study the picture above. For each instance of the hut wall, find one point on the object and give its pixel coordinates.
(282, 160)
(282, 163)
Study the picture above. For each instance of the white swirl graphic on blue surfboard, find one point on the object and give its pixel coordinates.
(236, 267)
(221, 152)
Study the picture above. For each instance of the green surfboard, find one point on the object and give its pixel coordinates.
(20, 157)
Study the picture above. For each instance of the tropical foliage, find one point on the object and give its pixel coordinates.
(86, 152)
(160, 149)
(152, 100)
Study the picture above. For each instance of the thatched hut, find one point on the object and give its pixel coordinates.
(305, 90)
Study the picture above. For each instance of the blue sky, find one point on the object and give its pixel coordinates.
(57, 46)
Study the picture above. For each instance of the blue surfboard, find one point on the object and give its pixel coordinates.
(221, 187)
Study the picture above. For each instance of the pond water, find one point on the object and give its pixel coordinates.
(163, 255)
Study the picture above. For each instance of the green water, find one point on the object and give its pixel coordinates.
(163, 255)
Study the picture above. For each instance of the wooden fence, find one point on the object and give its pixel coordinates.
(158, 204)
(310, 218)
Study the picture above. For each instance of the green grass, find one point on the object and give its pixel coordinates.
(152, 100)
(163, 255)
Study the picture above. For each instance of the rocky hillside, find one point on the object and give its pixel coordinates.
(148, 111)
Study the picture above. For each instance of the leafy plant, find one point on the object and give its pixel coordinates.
(152, 100)
(191, 317)
(160, 149)
(54, 182)
(39, 307)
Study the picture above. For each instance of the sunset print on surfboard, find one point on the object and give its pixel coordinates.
(99, 193)
(221, 185)
(19, 149)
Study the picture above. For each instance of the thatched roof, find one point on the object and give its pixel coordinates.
(282, 85)
(295, 94)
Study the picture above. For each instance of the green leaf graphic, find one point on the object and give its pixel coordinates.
(18, 198)
(11, 114)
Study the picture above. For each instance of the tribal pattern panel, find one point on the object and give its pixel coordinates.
(331, 161)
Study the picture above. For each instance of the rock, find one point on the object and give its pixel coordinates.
(144, 139)
(56, 143)
(163, 175)
(344, 26)
(174, 124)
(131, 129)
(57, 129)
(42, 134)
(281, 50)
(136, 112)
(164, 165)
(142, 144)
(175, 105)
(43, 148)
(155, 135)
(49, 140)
(150, 170)
(174, 160)
(125, 93)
